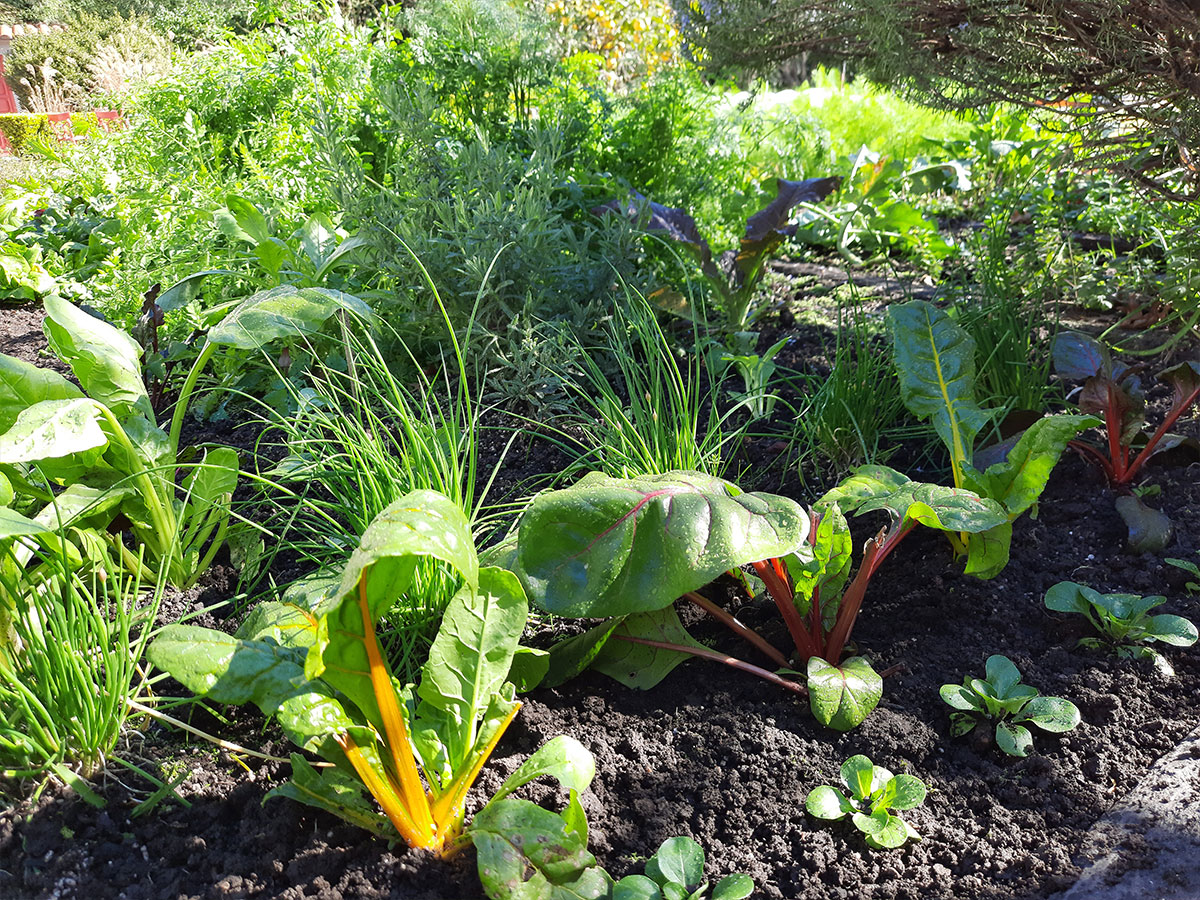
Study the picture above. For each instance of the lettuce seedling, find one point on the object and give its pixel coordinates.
(321, 672)
(873, 793)
(1124, 622)
(935, 360)
(676, 872)
(1002, 698)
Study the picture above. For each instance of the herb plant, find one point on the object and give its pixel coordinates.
(935, 359)
(1001, 698)
(1124, 621)
(676, 872)
(874, 793)
(321, 672)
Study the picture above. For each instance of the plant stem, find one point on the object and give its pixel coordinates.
(737, 627)
(185, 393)
(1173, 415)
(705, 653)
(786, 605)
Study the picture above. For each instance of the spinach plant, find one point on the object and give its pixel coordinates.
(1124, 621)
(935, 359)
(626, 549)
(1114, 391)
(1001, 698)
(874, 793)
(93, 450)
(676, 872)
(320, 671)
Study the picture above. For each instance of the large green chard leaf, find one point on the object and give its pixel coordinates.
(1018, 481)
(22, 385)
(988, 551)
(282, 313)
(637, 665)
(230, 670)
(570, 657)
(419, 524)
(529, 853)
(612, 546)
(867, 483)
(107, 361)
(64, 436)
(470, 659)
(935, 359)
(939, 507)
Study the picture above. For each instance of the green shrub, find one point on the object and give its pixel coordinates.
(18, 128)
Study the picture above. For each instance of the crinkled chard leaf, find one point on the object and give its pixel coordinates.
(470, 658)
(867, 483)
(420, 524)
(638, 665)
(525, 851)
(1078, 356)
(842, 696)
(932, 505)
(283, 313)
(570, 657)
(611, 546)
(935, 359)
(825, 565)
(107, 361)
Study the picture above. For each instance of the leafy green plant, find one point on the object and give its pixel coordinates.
(1124, 621)
(100, 443)
(676, 872)
(321, 673)
(935, 360)
(1001, 698)
(874, 793)
(873, 216)
(756, 370)
(19, 128)
(23, 277)
(1114, 391)
(626, 549)
(766, 230)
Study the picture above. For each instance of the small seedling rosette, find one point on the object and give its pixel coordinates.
(874, 795)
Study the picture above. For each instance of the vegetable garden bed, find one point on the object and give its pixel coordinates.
(711, 752)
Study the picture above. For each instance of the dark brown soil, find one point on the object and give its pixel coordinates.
(718, 755)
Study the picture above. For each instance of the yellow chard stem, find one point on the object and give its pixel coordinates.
(395, 732)
(384, 791)
(448, 808)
